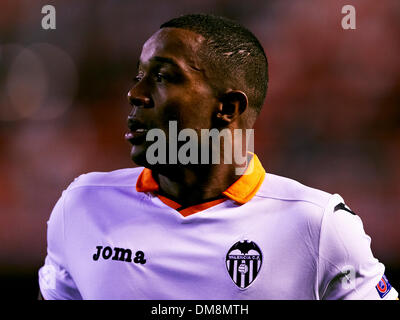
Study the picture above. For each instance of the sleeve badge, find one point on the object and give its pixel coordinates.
(383, 287)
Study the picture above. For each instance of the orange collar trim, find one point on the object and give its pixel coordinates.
(146, 182)
(242, 191)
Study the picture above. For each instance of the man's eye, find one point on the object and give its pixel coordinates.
(138, 77)
(160, 77)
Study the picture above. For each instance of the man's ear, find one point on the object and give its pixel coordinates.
(232, 104)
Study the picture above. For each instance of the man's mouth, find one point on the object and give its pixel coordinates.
(137, 131)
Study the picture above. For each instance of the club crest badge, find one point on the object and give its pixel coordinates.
(243, 262)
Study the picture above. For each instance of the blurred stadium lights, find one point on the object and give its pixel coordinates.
(39, 82)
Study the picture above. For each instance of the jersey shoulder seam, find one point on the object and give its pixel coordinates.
(70, 188)
(106, 179)
(287, 199)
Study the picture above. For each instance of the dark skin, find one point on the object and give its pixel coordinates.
(173, 83)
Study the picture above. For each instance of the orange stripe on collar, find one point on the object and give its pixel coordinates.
(146, 182)
(199, 207)
(242, 191)
(169, 202)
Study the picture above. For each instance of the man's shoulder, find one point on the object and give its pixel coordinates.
(286, 189)
(297, 204)
(117, 178)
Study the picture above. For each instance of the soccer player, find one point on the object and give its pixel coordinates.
(200, 230)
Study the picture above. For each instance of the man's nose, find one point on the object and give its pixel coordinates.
(138, 100)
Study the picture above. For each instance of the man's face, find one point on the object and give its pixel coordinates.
(171, 85)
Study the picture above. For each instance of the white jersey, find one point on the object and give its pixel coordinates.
(289, 241)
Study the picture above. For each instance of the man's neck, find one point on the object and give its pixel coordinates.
(193, 185)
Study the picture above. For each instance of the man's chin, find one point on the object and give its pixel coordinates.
(138, 156)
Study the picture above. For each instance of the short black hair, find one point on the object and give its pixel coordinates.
(233, 51)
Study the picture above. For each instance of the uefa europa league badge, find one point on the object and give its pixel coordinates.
(243, 262)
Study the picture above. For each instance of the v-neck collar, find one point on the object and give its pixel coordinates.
(242, 191)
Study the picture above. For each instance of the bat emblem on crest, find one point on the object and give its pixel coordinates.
(243, 262)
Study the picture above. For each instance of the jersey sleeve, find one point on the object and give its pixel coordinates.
(347, 268)
(55, 282)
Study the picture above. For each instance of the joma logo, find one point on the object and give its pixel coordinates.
(120, 254)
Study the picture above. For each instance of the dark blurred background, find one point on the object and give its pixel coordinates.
(331, 118)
